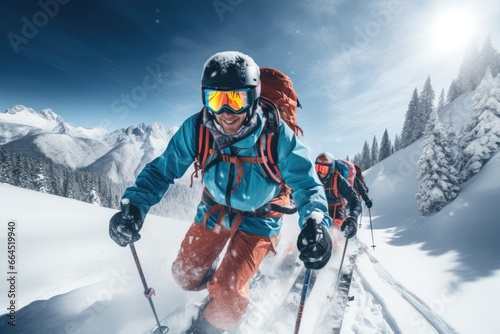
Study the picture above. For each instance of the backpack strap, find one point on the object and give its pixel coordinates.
(268, 141)
(267, 148)
(204, 144)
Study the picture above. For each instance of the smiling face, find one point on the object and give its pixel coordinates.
(230, 122)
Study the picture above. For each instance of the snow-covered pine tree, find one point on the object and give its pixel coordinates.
(425, 107)
(489, 57)
(4, 165)
(39, 176)
(408, 134)
(374, 151)
(469, 73)
(453, 91)
(481, 135)
(441, 101)
(452, 139)
(357, 159)
(365, 157)
(437, 183)
(385, 146)
(397, 143)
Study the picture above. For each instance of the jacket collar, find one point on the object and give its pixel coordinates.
(246, 137)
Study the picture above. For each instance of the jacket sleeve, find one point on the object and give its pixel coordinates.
(156, 177)
(346, 191)
(298, 172)
(361, 189)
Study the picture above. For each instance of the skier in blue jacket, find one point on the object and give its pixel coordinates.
(229, 210)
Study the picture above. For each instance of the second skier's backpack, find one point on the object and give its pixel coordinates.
(278, 100)
(346, 169)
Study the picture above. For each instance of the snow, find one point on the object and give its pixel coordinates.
(424, 275)
(434, 274)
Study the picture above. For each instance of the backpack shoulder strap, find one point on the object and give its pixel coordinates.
(267, 144)
(204, 144)
(203, 140)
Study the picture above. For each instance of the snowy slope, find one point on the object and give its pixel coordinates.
(422, 277)
(434, 274)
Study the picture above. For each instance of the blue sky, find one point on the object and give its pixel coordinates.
(119, 63)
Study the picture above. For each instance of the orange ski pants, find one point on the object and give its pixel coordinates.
(228, 291)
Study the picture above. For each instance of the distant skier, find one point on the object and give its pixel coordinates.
(235, 205)
(338, 191)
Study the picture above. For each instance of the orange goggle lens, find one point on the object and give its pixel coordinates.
(322, 169)
(235, 100)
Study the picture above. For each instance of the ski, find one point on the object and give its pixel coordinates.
(270, 292)
(284, 316)
(335, 315)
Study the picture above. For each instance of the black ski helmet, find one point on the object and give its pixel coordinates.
(231, 69)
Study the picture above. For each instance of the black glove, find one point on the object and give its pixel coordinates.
(349, 227)
(125, 225)
(315, 245)
(369, 204)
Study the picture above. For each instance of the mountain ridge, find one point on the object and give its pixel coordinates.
(46, 135)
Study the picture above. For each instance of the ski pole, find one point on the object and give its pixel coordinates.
(340, 269)
(371, 228)
(360, 217)
(303, 297)
(148, 292)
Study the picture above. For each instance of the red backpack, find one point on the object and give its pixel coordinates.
(277, 88)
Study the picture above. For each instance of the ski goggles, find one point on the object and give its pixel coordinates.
(236, 100)
(323, 169)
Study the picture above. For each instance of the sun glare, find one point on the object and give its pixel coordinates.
(452, 30)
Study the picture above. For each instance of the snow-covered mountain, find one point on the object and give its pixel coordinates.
(120, 154)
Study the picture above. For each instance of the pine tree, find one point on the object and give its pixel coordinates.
(4, 165)
(452, 141)
(437, 182)
(426, 106)
(374, 151)
(40, 182)
(469, 74)
(453, 91)
(489, 57)
(385, 146)
(481, 136)
(365, 157)
(397, 143)
(441, 101)
(409, 135)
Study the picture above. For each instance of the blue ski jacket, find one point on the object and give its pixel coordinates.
(255, 189)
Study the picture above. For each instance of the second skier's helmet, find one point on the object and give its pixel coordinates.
(324, 164)
(232, 70)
